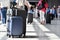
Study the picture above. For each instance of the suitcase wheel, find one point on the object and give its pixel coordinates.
(19, 36)
(24, 36)
(9, 36)
(12, 36)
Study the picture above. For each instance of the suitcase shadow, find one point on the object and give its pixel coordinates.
(28, 37)
(31, 37)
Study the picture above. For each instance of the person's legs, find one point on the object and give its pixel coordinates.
(52, 16)
(58, 16)
(3, 20)
(40, 15)
(42, 18)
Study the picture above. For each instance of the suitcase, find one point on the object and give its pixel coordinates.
(22, 13)
(48, 19)
(15, 26)
(30, 18)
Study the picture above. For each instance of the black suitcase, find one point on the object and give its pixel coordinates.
(30, 18)
(48, 19)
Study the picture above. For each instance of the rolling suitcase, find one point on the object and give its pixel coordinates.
(30, 18)
(48, 19)
(18, 13)
(22, 13)
(15, 26)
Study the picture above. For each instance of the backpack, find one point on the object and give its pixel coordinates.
(41, 6)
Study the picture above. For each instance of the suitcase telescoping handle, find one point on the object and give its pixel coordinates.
(16, 12)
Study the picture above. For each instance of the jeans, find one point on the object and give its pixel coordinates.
(3, 20)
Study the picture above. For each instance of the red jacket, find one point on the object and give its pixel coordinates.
(43, 9)
(46, 6)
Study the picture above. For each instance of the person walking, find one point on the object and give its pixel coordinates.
(52, 13)
(30, 15)
(42, 4)
(48, 16)
(58, 12)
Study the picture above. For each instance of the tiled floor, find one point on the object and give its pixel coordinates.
(34, 31)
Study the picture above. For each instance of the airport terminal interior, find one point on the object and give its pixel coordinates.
(21, 24)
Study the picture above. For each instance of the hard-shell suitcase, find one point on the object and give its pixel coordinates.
(30, 18)
(15, 26)
(18, 13)
(22, 13)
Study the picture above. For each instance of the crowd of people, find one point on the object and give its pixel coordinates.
(41, 10)
(49, 14)
(45, 13)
